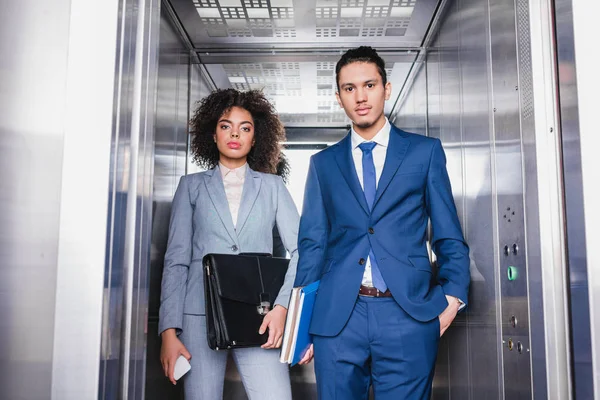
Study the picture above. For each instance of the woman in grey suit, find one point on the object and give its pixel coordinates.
(233, 207)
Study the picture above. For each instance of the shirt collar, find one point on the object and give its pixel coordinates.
(240, 172)
(382, 137)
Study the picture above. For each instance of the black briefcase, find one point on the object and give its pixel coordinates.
(240, 290)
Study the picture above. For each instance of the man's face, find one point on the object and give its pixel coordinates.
(362, 94)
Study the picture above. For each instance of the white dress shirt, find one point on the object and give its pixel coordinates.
(382, 138)
(233, 181)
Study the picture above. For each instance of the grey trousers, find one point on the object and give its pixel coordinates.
(263, 376)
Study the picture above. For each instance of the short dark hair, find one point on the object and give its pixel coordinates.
(360, 54)
(269, 132)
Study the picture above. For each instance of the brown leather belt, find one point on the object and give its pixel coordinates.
(373, 292)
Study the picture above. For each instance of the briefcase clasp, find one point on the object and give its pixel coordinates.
(264, 308)
(265, 304)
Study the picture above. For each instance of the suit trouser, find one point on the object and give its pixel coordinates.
(263, 376)
(380, 345)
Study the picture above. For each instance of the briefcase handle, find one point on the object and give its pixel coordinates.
(256, 254)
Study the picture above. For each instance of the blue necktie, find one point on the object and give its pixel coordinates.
(370, 187)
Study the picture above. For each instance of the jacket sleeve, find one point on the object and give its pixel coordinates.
(447, 240)
(177, 261)
(287, 220)
(314, 231)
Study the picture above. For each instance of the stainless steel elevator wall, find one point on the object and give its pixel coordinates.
(129, 212)
(576, 238)
(474, 93)
(179, 85)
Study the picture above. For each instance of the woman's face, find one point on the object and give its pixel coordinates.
(234, 136)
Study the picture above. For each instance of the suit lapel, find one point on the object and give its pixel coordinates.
(346, 165)
(396, 152)
(252, 184)
(216, 192)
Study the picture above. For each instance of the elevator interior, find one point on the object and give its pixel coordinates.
(493, 79)
(460, 71)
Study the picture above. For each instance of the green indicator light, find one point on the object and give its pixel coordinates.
(513, 273)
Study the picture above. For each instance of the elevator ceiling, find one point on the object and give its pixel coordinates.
(319, 23)
(289, 48)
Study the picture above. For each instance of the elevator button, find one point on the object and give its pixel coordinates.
(513, 273)
(520, 347)
(515, 249)
(513, 321)
(510, 344)
(506, 250)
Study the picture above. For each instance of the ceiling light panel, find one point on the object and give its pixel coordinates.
(396, 23)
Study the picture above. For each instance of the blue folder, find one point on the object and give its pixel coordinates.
(297, 339)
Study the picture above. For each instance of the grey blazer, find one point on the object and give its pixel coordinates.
(201, 223)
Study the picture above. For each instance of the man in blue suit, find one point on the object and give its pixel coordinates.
(379, 311)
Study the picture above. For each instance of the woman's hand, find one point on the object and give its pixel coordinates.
(170, 351)
(275, 321)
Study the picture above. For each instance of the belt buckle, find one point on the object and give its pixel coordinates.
(369, 290)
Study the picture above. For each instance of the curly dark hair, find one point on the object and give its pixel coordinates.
(269, 133)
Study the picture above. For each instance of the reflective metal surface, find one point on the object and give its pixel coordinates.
(581, 337)
(510, 211)
(177, 89)
(456, 102)
(122, 363)
(316, 23)
(581, 128)
(412, 116)
(547, 176)
(479, 100)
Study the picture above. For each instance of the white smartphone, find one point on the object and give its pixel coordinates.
(182, 366)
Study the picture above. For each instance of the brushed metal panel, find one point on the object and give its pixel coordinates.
(483, 366)
(122, 363)
(412, 115)
(139, 224)
(170, 155)
(550, 201)
(587, 89)
(31, 156)
(459, 113)
(114, 277)
(450, 132)
(475, 107)
(581, 334)
(510, 197)
(530, 165)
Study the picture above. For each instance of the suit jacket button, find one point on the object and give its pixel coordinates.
(234, 248)
(362, 261)
(371, 231)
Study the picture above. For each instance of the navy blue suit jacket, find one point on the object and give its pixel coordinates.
(334, 231)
